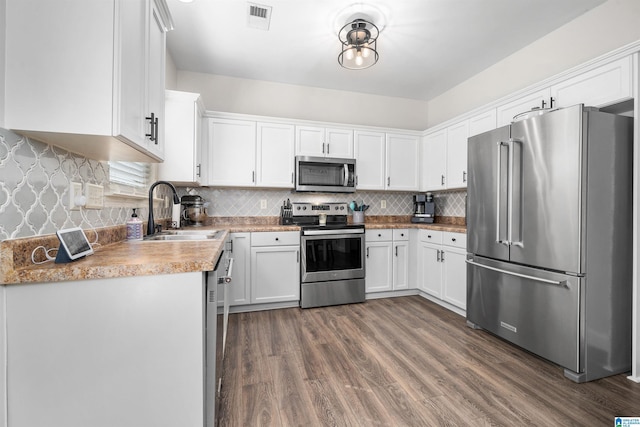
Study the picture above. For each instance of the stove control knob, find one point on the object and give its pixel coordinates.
(304, 208)
(298, 207)
(341, 208)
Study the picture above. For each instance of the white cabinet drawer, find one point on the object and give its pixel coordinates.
(401, 234)
(432, 236)
(378, 235)
(458, 240)
(275, 238)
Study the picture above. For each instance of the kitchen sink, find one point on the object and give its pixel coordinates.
(177, 235)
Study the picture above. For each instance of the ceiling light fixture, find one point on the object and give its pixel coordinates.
(359, 40)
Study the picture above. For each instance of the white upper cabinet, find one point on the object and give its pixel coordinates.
(457, 135)
(434, 161)
(324, 142)
(183, 139)
(483, 122)
(275, 155)
(87, 76)
(232, 152)
(506, 112)
(402, 162)
(602, 86)
(370, 151)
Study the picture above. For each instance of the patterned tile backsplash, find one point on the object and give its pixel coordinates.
(35, 180)
(246, 202)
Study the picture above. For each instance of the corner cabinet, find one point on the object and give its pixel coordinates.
(88, 77)
(183, 139)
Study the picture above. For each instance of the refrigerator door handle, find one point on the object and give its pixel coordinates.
(515, 189)
(499, 240)
(524, 276)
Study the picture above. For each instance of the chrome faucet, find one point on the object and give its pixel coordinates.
(151, 225)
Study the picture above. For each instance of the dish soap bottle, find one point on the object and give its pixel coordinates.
(134, 227)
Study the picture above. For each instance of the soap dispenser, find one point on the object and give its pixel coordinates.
(134, 227)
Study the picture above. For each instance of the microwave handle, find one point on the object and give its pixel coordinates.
(346, 175)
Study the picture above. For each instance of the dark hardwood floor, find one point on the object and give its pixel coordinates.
(399, 362)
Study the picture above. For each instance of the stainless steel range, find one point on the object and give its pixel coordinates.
(332, 271)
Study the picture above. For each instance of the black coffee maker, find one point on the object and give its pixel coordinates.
(424, 209)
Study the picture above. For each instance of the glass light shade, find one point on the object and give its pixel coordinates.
(359, 45)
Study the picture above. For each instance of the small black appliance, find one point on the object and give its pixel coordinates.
(424, 209)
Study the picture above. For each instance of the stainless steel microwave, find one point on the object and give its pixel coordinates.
(326, 175)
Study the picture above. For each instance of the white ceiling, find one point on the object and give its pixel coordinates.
(426, 46)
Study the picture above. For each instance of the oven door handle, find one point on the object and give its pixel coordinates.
(334, 232)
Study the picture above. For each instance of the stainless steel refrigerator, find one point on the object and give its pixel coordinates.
(549, 238)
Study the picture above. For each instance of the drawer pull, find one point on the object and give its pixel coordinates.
(379, 235)
(453, 239)
(277, 239)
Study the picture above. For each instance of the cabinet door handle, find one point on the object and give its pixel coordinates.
(153, 135)
(441, 256)
(389, 182)
(298, 257)
(367, 252)
(292, 177)
(323, 148)
(396, 251)
(198, 170)
(327, 148)
(464, 176)
(442, 180)
(551, 102)
(438, 256)
(356, 180)
(231, 246)
(253, 176)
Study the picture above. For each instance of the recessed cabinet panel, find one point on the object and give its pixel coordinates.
(275, 153)
(379, 264)
(275, 274)
(232, 152)
(457, 155)
(183, 139)
(434, 155)
(369, 150)
(482, 122)
(605, 85)
(402, 162)
(324, 142)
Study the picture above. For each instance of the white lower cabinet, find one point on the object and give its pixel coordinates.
(275, 267)
(441, 266)
(240, 289)
(387, 260)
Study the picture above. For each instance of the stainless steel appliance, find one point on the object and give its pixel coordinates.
(332, 270)
(548, 235)
(194, 210)
(424, 209)
(327, 175)
(217, 315)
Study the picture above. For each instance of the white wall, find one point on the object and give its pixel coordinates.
(171, 73)
(3, 30)
(612, 25)
(234, 95)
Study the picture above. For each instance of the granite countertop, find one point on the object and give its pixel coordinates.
(117, 257)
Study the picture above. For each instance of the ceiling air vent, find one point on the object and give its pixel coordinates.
(259, 16)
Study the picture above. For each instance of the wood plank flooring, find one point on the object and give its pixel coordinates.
(399, 362)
